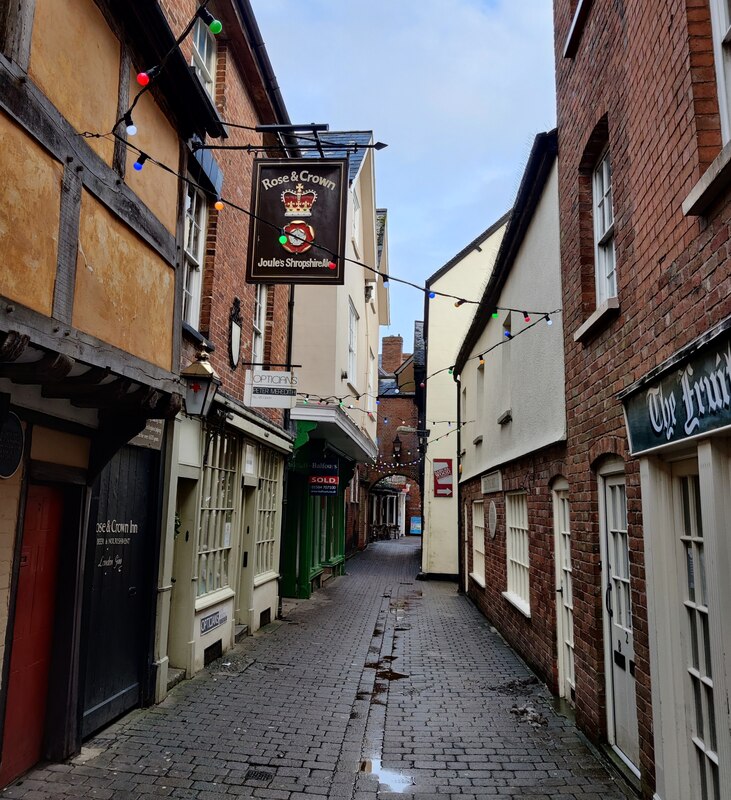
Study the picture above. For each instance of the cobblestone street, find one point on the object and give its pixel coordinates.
(380, 685)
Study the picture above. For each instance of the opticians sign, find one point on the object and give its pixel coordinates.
(297, 233)
(688, 397)
(269, 389)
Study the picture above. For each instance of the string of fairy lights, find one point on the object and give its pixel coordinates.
(147, 79)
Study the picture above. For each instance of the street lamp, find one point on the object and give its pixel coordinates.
(397, 448)
(201, 385)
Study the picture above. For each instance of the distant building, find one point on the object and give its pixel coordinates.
(445, 326)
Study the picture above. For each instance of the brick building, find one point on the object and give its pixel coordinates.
(395, 478)
(643, 124)
(512, 455)
(219, 572)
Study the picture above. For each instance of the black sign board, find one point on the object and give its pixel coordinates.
(297, 233)
(690, 399)
(11, 445)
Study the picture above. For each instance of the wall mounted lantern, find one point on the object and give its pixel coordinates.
(201, 385)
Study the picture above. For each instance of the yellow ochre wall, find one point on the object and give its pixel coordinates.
(29, 218)
(75, 60)
(125, 293)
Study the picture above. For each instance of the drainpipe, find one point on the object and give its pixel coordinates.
(460, 533)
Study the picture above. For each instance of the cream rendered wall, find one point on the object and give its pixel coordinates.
(447, 327)
(525, 374)
(322, 316)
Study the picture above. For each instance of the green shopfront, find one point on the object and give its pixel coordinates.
(313, 543)
(679, 426)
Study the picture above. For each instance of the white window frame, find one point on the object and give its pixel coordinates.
(605, 259)
(354, 487)
(478, 542)
(517, 550)
(352, 342)
(218, 514)
(721, 27)
(356, 223)
(204, 56)
(268, 502)
(196, 221)
(372, 383)
(259, 326)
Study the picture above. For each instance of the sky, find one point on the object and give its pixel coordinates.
(456, 88)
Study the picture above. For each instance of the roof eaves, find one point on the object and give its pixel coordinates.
(540, 162)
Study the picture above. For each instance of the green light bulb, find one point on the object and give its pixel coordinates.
(282, 239)
(495, 315)
(215, 27)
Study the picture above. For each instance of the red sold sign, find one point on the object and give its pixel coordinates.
(443, 486)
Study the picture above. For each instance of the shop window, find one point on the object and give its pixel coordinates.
(218, 511)
(516, 506)
(267, 511)
(478, 541)
(204, 56)
(195, 244)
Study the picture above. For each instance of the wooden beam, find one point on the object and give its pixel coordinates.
(68, 243)
(78, 385)
(24, 102)
(12, 345)
(51, 367)
(16, 26)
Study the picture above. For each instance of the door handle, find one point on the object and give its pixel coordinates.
(608, 600)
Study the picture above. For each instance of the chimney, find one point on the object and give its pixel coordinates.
(392, 355)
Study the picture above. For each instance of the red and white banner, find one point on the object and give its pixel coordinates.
(443, 477)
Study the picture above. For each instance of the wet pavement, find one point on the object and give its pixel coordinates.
(379, 687)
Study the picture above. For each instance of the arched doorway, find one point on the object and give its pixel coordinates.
(394, 507)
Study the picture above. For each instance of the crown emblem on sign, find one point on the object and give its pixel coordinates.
(298, 203)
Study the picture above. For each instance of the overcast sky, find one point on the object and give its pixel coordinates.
(456, 88)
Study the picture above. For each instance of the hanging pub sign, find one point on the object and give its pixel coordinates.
(269, 389)
(688, 397)
(297, 233)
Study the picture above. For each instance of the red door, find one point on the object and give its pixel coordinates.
(25, 713)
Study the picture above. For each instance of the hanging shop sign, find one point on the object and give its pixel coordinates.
(324, 478)
(267, 389)
(690, 398)
(297, 232)
(443, 477)
(12, 441)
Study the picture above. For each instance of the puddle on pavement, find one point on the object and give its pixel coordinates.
(390, 675)
(390, 779)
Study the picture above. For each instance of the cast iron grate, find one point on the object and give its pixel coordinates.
(258, 775)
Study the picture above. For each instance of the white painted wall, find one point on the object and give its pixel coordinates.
(446, 330)
(321, 316)
(525, 374)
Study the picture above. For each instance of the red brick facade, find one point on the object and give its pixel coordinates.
(228, 230)
(534, 638)
(641, 82)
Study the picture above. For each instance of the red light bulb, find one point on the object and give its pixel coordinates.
(143, 78)
(332, 265)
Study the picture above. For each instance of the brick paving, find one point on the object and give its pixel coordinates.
(380, 687)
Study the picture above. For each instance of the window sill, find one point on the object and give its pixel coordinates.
(265, 577)
(477, 579)
(714, 181)
(518, 602)
(198, 337)
(598, 320)
(208, 600)
(477, 439)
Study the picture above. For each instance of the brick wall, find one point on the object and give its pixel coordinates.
(392, 353)
(228, 230)
(644, 73)
(534, 638)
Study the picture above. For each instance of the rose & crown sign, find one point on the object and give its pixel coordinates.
(297, 232)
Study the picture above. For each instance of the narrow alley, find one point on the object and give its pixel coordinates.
(379, 686)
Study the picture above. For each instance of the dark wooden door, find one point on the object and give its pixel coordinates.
(30, 658)
(122, 532)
